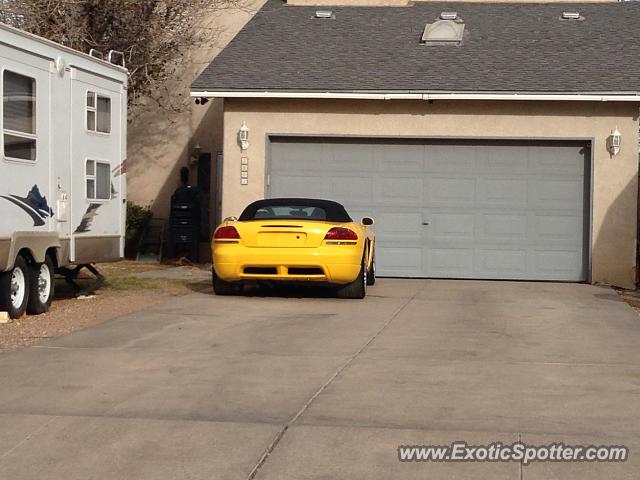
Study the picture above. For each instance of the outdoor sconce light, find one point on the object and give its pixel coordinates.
(613, 142)
(243, 136)
(195, 154)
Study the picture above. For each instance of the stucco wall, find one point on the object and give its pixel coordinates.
(162, 134)
(615, 192)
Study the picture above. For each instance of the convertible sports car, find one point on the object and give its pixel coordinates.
(294, 240)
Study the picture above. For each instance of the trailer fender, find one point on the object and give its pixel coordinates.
(36, 243)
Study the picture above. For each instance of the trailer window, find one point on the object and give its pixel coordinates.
(98, 179)
(19, 116)
(98, 113)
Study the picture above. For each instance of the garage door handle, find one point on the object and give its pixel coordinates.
(425, 223)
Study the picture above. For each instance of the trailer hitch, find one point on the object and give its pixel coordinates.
(71, 275)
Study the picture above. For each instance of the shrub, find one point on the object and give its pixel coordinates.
(137, 220)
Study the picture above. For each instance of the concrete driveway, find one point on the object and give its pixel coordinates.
(277, 388)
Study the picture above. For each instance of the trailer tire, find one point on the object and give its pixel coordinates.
(42, 287)
(14, 289)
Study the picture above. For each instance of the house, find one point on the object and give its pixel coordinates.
(488, 140)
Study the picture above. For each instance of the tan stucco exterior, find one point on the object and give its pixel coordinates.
(163, 133)
(615, 179)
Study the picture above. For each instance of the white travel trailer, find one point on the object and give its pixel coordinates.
(62, 178)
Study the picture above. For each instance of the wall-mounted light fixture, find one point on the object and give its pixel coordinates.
(195, 154)
(243, 136)
(614, 141)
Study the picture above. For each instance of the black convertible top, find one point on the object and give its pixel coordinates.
(335, 212)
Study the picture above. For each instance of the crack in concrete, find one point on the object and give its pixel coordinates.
(27, 438)
(274, 443)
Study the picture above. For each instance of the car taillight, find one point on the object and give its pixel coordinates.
(341, 233)
(226, 233)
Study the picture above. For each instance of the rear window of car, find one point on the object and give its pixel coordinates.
(289, 212)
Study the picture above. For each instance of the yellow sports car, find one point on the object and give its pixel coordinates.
(294, 240)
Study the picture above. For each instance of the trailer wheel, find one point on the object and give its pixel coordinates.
(14, 289)
(42, 287)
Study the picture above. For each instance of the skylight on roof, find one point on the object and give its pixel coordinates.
(324, 14)
(571, 16)
(448, 32)
(448, 15)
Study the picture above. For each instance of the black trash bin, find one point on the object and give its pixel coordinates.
(184, 229)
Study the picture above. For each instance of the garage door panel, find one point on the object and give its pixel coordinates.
(394, 159)
(451, 262)
(506, 160)
(499, 210)
(350, 158)
(451, 226)
(303, 186)
(401, 190)
(297, 157)
(399, 225)
(558, 227)
(553, 161)
(500, 192)
(450, 159)
(451, 190)
(356, 189)
(403, 262)
(557, 194)
(501, 227)
(558, 264)
(494, 263)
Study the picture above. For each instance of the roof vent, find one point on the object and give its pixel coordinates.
(443, 32)
(449, 16)
(324, 14)
(571, 16)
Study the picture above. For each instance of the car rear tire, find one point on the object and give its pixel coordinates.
(220, 287)
(356, 289)
(14, 289)
(371, 274)
(42, 286)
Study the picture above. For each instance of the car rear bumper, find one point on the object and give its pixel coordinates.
(325, 264)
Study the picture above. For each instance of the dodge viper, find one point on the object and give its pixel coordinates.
(294, 240)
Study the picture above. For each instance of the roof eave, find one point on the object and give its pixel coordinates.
(528, 96)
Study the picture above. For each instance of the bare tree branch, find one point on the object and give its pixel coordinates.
(155, 35)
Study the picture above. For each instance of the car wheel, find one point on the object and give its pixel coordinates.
(14, 289)
(42, 287)
(371, 274)
(356, 289)
(220, 287)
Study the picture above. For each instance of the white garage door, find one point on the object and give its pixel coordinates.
(458, 209)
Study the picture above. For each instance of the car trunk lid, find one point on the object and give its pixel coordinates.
(283, 233)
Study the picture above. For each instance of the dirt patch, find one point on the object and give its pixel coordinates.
(632, 297)
(122, 294)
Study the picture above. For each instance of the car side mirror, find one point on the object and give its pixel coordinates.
(367, 221)
(230, 219)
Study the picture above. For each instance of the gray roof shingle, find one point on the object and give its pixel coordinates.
(508, 47)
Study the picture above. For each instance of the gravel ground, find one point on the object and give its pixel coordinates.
(122, 294)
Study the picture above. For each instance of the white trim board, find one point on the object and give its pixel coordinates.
(587, 97)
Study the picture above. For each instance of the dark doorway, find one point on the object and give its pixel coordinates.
(204, 187)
